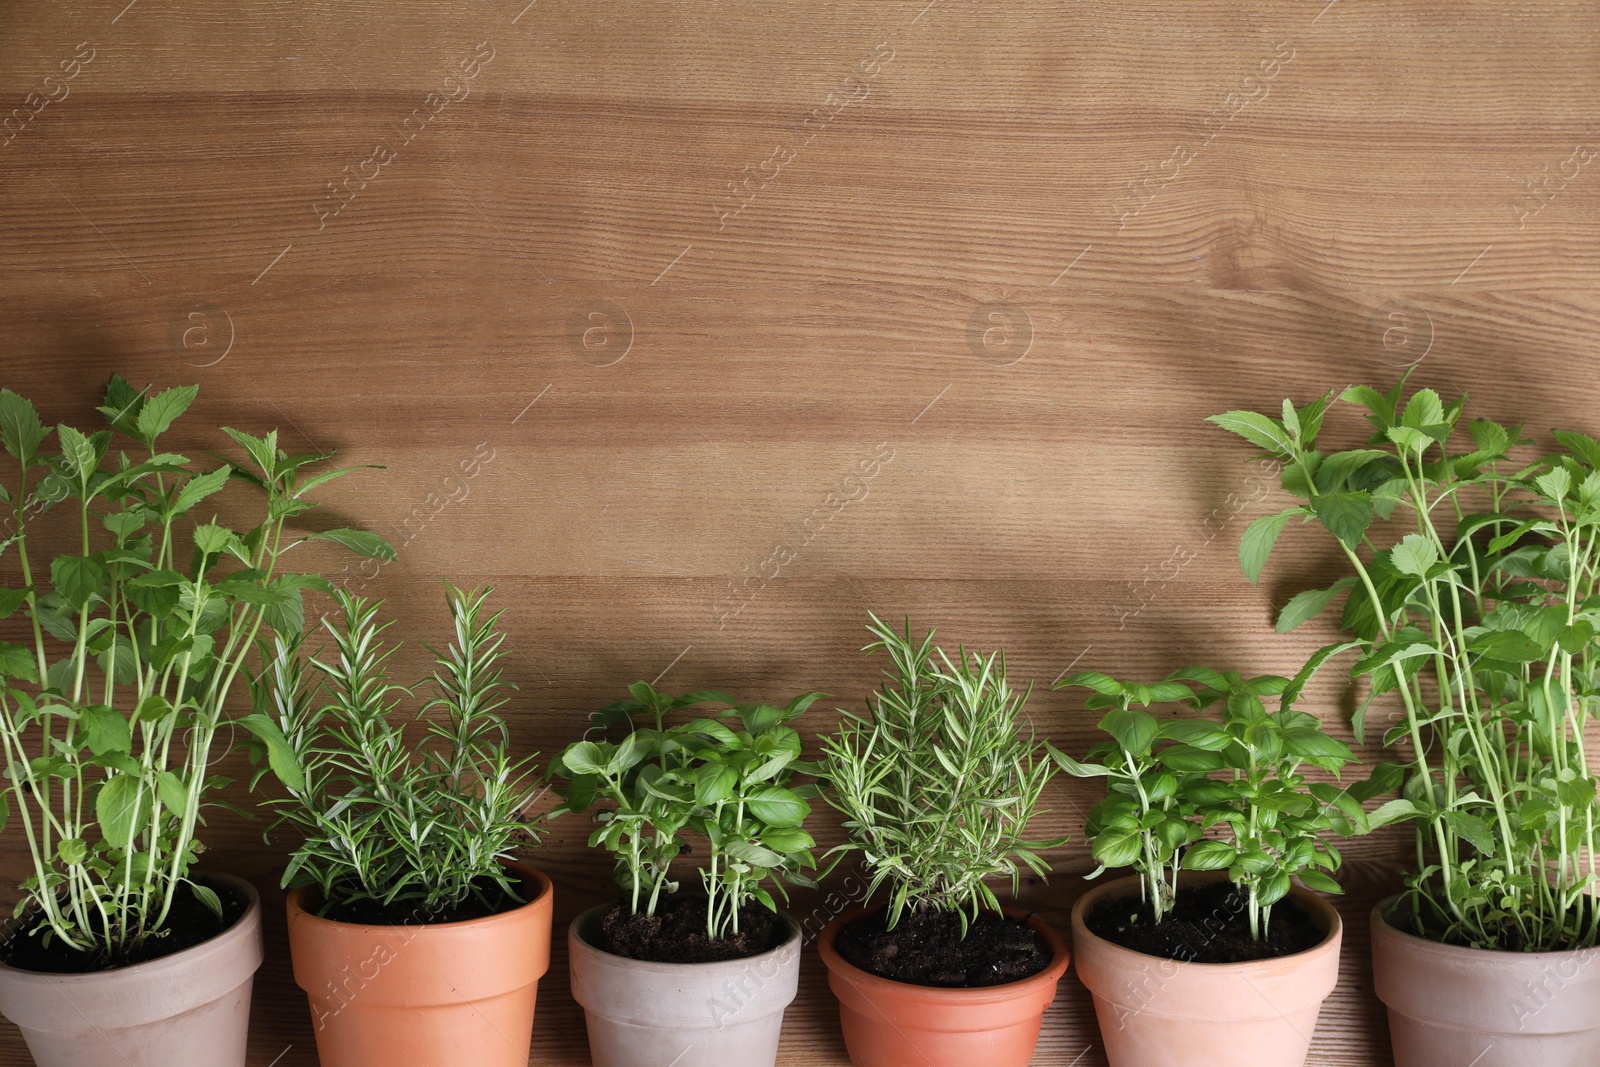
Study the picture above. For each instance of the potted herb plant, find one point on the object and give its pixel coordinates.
(1472, 604)
(120, 952)
(700, 980)
(937, 784)
(416, 935)
(1234, 967)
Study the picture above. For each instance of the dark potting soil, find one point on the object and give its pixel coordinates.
(495, 900)
(676, 933)
(1209, 924)
(188, 924)
(926, 948)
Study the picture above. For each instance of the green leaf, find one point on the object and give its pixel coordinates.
(173, 793)
(1259, 537)
(77, 578)
(1308, 743)
(72, 851)
(280, 754)
(1510, 646)
(1197, 733)
(211, 538)
(1073, 767)
(1473, 829)
(1555, 483)
(120, 807)
(161, 410)
(583, 757)
(20, 429)
(1345, 514)
(714, 782)
(18, 661)
(1135, 730)
(1319, 880)
(199, 487)
(1100, 683)
(1394, 811)
(1116, 848)
(358, 541)
(105, 730)
(778, 807)
(1304, 606)
(1583, 446)
(1274, 889)
(754, 854)
(1209, 856)
(205, 896)
(1414, 555)
(1258, 429)
(1423, 410)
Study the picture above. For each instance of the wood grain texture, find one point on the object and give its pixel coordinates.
(670, 271)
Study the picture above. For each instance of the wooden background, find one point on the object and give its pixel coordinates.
(1023, 247)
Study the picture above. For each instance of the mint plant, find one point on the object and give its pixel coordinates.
(1172, 781)
(388, 821)
(732, 787)
(141, 624)
(1472, 597)
(938, 782)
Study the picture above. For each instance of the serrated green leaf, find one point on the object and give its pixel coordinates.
(120, 807)
(1258, 429)
(1259, 537)
(77, 578)
(1346, 515)
(1414, 555)
(161, 410)
(199, 487)
(1307, 605)
(20, 429)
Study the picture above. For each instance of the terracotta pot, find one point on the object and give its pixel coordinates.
(190, 1007)
(449, 993)
(684, 1014)
(1155, 1012)
(1452, 1006)
(897, 1024)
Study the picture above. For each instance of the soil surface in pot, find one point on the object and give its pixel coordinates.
(926, 948)
(189, 923)
(1209, 924)
(677, 933)
(487, 899)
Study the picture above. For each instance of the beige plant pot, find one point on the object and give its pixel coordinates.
(642, 1014)
(1157, 1012)
(192, 1007)
(1451, 1006)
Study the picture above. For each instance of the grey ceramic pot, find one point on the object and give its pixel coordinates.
(684, 1014)
(190, 1007)
(1451, 1006)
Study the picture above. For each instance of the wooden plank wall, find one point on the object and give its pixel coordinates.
(624, 295)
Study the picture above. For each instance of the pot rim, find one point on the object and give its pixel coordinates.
(1426, 944)
(1307, 898)
(1059, 959)
(240, 928)
(575, 938)
(298, 911)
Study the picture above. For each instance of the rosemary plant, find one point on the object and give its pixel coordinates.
(939, 781)
(388, 822)
(1479, 612)
(109, 715)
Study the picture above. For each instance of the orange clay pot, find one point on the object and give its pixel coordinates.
(424, 996)
(1156, 1012)
(897, 1024)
